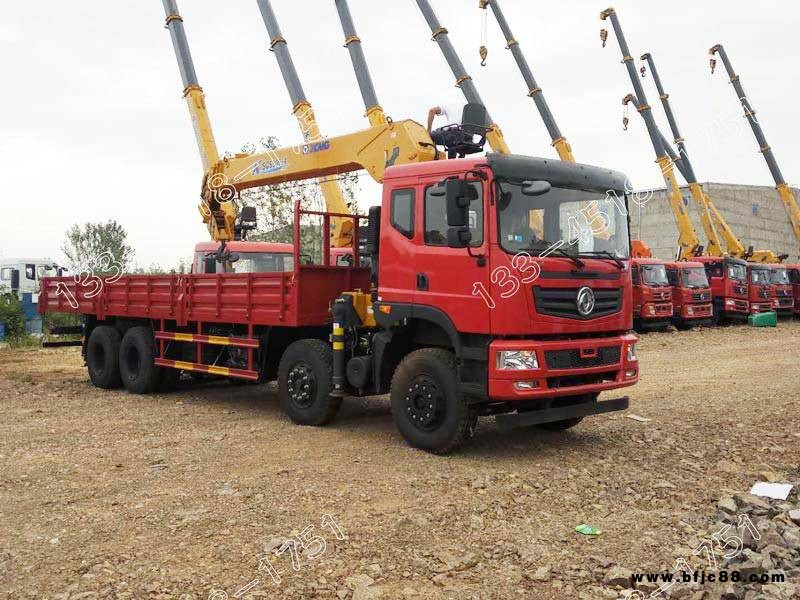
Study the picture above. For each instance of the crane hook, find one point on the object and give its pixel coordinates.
(643, 71)
(713, 63)
(484, 54)
(625, 121)
(604, 36)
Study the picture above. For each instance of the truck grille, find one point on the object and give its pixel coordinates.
(571, 359)
(763, 293)
(739, 289)
(701, 297)
(562, 302)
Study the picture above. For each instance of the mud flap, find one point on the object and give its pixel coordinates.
(562, 413)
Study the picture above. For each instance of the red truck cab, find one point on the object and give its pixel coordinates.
(245, 257)
(794, 277)
(782, 291)
(759, 277)
(691, 294)
(652, 294)
(729, 288)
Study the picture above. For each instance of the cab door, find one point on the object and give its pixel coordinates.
(452, 280)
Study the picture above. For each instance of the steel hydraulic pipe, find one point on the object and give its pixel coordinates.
(352, 42)
(463, 80)
(535, 92)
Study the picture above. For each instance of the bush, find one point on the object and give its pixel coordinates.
(11, 314)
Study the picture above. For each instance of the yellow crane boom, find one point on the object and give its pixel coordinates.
(688, 243)
(714, 223)
(784, 191)
(373, 149)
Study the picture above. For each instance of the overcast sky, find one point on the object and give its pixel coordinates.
(93, 126)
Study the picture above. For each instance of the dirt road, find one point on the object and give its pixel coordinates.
(106, 494)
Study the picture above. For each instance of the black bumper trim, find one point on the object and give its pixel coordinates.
(550, 415)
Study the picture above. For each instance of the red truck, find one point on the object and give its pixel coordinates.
(761, 294)
(729, 288)
(794, 277)
(467, 311)
(782, 291)
(691, 294)
(652, 294)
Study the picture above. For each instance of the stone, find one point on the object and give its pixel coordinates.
(618, 576)
(728, 505)
(794, 515)
(358, 581)
(542, 574)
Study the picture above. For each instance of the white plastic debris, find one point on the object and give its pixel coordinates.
(776, 491)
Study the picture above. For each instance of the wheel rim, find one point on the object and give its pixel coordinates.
(425, 405)
(133, 362)
(301, 385)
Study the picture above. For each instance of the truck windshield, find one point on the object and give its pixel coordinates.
(562, 220)
(779, 277)
(759, 276)
(737, 271)
(262, 262)
(694, 277)
(654, 275)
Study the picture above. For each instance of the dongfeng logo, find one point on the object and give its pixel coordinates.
(585, 301)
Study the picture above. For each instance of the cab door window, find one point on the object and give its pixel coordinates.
(436, 217)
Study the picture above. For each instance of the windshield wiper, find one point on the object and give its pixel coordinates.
(608, 254)
(561, 252)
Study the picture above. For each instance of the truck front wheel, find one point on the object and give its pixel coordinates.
(102, 357)
(427, 406)
(136, 361)
(305, 383)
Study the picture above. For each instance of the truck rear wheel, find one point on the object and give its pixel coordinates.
(136, 361)
(427, 406)
(102, 357)
(305, 383)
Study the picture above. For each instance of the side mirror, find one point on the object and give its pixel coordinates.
(459, 237)
(460, 195)
(535, 188)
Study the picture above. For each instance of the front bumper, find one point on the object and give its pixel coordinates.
(656, 310)
(566, 368)
(696, 311)
(734, 306)
(756, 308)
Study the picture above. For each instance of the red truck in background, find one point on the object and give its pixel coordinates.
(652, 294)
(782, 291)
(465, 310)
(691, 294)
(761, 293)
(729, 288)
(794, 277)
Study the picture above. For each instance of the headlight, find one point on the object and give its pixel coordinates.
(690, 311)
(517, 360)
(651, 309)
(730, 303)
(631, 352)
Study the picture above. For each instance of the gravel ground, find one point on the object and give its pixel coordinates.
(106, 494)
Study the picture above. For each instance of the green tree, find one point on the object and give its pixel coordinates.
(12, 316)
(100, 248)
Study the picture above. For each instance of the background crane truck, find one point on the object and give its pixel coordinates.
(652, 294)
(729, 288)
(794, 277)
(691, 294)
(782, 291)
(549, 334)
(761, 293)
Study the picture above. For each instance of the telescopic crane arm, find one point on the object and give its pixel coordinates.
(560, 142)
(352, 42)
(463, 80)
(304, 112)
(688, 242)
(373, 150)
(784, 191)
(716, 225)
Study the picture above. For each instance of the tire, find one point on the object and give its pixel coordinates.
(102, 357)
(568, 423)
(136, 361)
(428, 377)
(305, 383)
